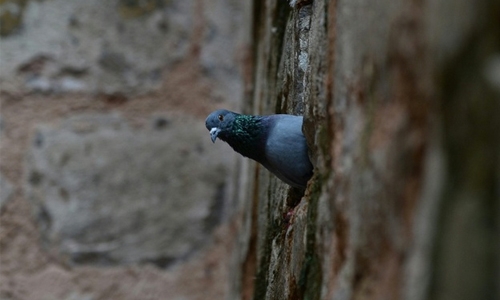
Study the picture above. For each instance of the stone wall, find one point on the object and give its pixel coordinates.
(110, 188)
(110, 185)
(400, 100)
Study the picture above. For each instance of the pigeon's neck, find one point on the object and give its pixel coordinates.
(248, 135)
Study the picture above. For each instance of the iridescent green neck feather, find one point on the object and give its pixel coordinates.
(247, 136)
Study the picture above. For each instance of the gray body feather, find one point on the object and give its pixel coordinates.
(286, 150)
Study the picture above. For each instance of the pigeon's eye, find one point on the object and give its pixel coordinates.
(221, 118)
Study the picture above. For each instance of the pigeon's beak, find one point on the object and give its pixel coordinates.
(213, 133)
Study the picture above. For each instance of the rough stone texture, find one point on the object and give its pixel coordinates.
(107, 194)
(68, 68)
(115, 47)
(400, 102)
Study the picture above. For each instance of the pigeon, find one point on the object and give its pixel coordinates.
(275, 141)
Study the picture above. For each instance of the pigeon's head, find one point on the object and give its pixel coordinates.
(220, 123)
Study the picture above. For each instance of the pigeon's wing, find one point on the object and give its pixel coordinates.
(286, 150)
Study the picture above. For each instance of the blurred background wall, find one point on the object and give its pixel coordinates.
(110, 185)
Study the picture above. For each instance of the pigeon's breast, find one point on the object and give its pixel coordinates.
(286, 151)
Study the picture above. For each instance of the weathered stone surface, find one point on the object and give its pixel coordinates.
(401, 115)
(404, 136)
(115, 46)
(139, 58)
(104, 193)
